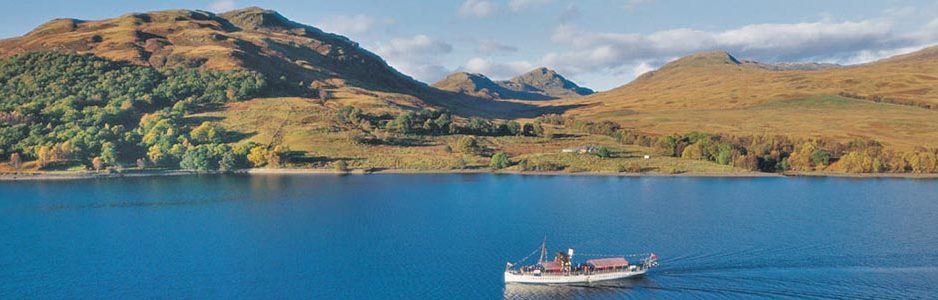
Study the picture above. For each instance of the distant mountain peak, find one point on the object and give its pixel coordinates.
(538, 84)
(549, 82)
(706, 59)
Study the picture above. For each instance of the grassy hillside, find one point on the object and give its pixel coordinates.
(894, 101)
(716, 80)
(255, 39)
(831, 117)
(309, 128)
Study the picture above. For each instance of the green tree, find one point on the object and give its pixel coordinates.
(725, 155)
(443, 122)
(500, 161)
(109, 154)
(514, 128)
(228, 162)
(199, 158)
(604, 152)
(403, 123)
(820, 157)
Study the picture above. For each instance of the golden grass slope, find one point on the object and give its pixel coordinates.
(252, 38)
(716, 80)
(308, 127)
(829, 117)
(713, 92)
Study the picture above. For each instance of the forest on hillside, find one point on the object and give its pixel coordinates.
(64, 110)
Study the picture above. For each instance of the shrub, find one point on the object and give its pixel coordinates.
(341, 166)
(630, 168)
(543, 166)
(468, 145)
(604, 152)
(500, 161)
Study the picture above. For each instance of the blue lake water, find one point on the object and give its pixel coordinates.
(449, 236)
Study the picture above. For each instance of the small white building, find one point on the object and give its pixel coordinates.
(581, 150)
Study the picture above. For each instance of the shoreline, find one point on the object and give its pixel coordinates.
(66, 175)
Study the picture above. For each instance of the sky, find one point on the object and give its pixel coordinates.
(600, 44)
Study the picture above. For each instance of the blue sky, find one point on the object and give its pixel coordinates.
(598, 43)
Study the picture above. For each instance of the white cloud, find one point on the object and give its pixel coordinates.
(222, 5)
(494, 47)
(348, 25)
(477, 8)
(823, 40)
(418, 56)
(497, 70)
(519, 5)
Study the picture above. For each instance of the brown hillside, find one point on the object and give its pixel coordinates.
(894, 101)
(252, 38)
(715, 80)
(307, 58)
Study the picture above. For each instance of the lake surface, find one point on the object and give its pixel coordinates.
(449, 236)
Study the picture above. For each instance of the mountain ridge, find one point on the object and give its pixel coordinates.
(538, 84)
(252, 38)
(717, 79)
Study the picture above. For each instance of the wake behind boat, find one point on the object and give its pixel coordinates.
(562, 271)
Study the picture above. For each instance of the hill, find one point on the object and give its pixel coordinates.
(538, 84)
(891, 100)
(719, 80)
(299, 60)
(253, 38)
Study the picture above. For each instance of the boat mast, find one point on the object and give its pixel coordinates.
(543, 250)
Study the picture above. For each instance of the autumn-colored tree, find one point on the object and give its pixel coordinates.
(207, 133)
(922, 162)
(258, 156)
(43, 156)
(694, 151)
(749, 162)
(800, 160)
(859, 162)
(97, 163)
